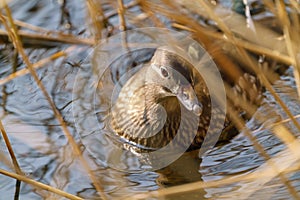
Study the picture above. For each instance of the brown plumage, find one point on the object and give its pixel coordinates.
(164, 96)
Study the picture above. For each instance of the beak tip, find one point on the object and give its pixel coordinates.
(197, 110)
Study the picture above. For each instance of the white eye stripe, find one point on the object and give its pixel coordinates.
(154, 66)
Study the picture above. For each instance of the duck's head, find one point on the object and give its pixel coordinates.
(175, 77)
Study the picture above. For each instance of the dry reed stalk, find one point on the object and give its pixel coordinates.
(266, 83)
(260, 50)
(10, 149)
(36, 65)
(152, 16)
(39, 184)
(76, 150)
(96, 14)
(288, 138)
(228, 66)
(46, 40)
(33, 27)
(280, 122)
(290, 31)
(121, 13)
(262, 173)
(206, 36)
(287, 59)
(237, 24)
(5, 160)
(250, 62)
(126, 6)
(241, 126)
(289, 34)
(296, 5)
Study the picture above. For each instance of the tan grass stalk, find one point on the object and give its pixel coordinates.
(152, 16)
(126, 6)
(251, 63)
(241, 126)
(288, 138)
(29, 38)
(32, 27)
(39, 184)
(262, 173)
(236, 23)
(276, 55)
(296, 5)
(5, 160)
(121, 13)
(282, 121)
(288, 33)
(96, 14)
(36, 65)
(228, 66)
(18, 45)
(10, 149)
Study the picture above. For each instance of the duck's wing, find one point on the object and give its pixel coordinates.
(246, 95)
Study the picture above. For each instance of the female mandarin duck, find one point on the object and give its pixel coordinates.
(166, 95)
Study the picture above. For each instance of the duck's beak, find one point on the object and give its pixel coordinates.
(186, 95)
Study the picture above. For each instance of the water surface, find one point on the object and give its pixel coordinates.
(43, 151)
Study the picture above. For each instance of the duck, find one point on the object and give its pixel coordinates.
(164, 97)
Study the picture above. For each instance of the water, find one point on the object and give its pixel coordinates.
(240, 157)
(44, 154)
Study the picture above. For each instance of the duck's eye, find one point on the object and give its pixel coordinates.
(164, 72)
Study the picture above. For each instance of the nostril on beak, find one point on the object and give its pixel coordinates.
(185, 95)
